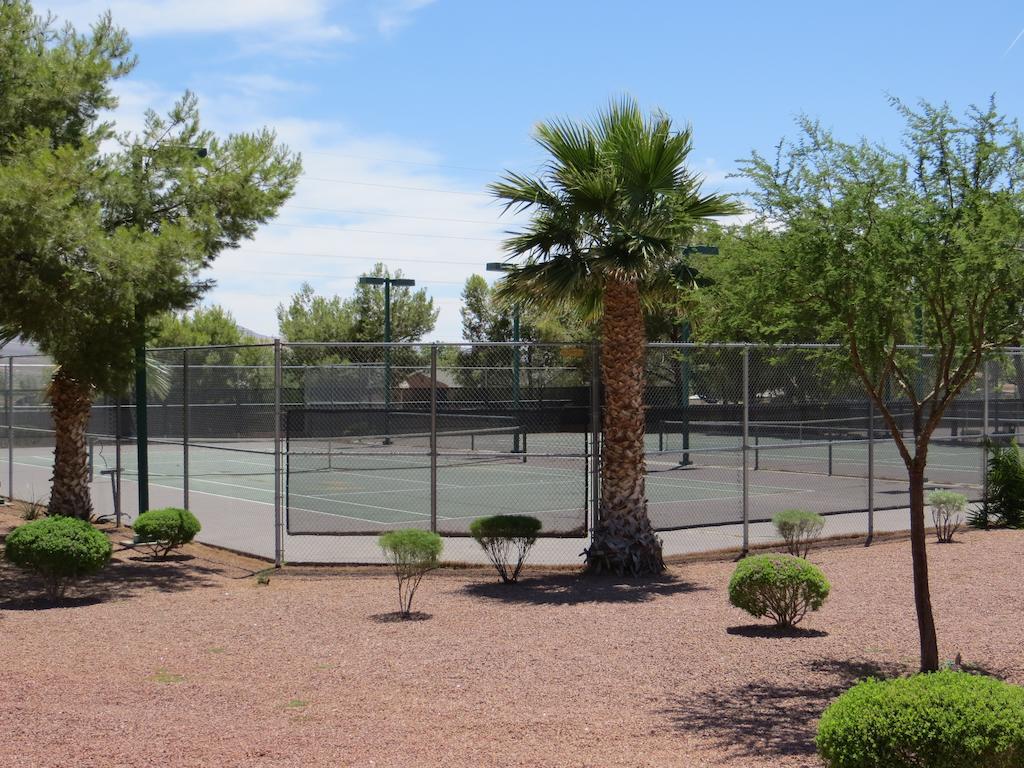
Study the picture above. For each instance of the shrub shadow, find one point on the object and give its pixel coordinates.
(576, 589)
(395, 617)
(120, 580)
(770, 631)
(768, 717)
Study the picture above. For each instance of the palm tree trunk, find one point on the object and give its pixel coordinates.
(624, 542)
(919, 554)
(71, 401)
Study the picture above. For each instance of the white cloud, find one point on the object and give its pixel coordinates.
(162, 17)
(395, 14)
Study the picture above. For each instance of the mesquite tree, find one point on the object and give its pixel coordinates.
(95, 243)
(883, 250)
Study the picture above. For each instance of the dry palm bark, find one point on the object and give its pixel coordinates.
(72, 402)
(624, 541)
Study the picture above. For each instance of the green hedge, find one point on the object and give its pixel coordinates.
(165, 529)
(59, 549)
(781, 587)
(507, 540)
(939, 720)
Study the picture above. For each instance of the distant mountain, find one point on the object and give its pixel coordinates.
(253, 335)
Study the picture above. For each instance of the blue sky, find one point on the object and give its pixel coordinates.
(405, 109)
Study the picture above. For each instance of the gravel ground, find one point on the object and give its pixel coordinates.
(192, 663)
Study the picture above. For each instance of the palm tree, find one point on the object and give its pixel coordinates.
(611, 208)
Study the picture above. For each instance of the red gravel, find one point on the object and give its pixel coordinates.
(194, 664)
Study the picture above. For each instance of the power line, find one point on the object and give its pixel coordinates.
(385, 213)
(401, 162)
(382, 232)
(474, 264)
(397, 186)
(329, 275)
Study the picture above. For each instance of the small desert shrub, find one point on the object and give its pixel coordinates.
(1004, 504)
(781, 587)
(506, 538)
(947, 513)
(939, 720)
(59, 549)
(799, 529)
(162, 530)
(412, 553)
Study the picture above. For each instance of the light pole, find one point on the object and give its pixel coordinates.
(684, 364)
(141, 403)
(387, 282)
(497, 266)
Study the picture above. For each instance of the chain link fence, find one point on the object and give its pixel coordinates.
(307, 452)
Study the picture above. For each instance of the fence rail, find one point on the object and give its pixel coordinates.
(281, 448)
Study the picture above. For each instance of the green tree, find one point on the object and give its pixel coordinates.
(93, 243)
(412, 312)
(203, 326)
(877, 249)
(309, 317)
(614, 204)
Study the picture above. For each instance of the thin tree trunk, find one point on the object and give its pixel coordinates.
(624, 542)
(922, 593)
(71, 402)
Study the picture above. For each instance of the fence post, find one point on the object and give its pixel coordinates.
(746, 449)
(185, 416)
(117, 461)
(984, 436)
(871, 472)
(433, 438)
(595, 438)
(278, 518)
(10, 429)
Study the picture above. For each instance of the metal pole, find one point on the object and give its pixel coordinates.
(871, 472)
(118, 506)
(184, 426)
(433, 438)
(746, 450)
(685, 396)
(515, 372)
(984, 438)
(278, 517)
(141, 425)
(10, 429)
(387, 361)
(595, 437)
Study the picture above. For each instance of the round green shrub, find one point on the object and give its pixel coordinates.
(938, 720)
(799, 528)
(507, 540)
(781, 587)
(59, 549)
(412, 552)
(165, 529)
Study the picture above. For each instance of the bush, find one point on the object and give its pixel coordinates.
(781, 587)
(162, 530)
(938, 720)
(59, 549)
(947, 513)
(1004, 503)
(799, 529)
(412, 553)
(506, 538)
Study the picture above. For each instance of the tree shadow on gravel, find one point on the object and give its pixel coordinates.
(576, 589)
(395, 617)
(769, 717)
(121, 580)
(770, 631)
